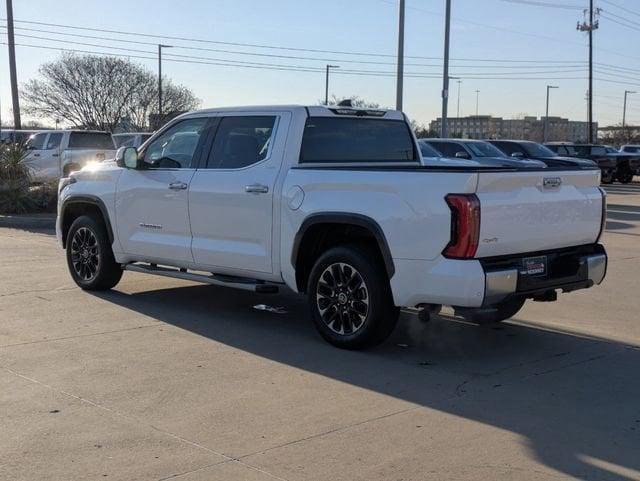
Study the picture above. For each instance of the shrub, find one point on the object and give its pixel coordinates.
(14, 180)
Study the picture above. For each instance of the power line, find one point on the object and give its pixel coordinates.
(277, 68)
(194, 57)
(543, 64)
(632, 12)
(544, 4)
(340, 52)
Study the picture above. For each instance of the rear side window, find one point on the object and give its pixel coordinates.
(598, 151)
(241, 141)
(509, 148)
(91, 140)
(583, 150)
(329, 139)
(54, 141)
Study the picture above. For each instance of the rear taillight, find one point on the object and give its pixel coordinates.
(465, 226)
(603, 219)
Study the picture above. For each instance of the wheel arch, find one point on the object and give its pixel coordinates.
(306, 238)
(74, 207)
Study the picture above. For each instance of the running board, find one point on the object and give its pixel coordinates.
(252, 285)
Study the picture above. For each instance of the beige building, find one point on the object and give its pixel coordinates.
(526, 128)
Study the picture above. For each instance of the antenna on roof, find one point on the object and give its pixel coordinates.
(345, 103)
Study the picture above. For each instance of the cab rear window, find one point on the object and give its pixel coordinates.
(354, 140)
(91, 140)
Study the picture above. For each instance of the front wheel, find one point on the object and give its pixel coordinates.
(350, 298)
(89, 256)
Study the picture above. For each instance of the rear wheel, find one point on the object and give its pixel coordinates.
(626, 177)
(89, 255)
(607, 177)
(350, 298)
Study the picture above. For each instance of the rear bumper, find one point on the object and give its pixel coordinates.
(567, 270)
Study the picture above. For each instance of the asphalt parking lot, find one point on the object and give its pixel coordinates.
(161, 379)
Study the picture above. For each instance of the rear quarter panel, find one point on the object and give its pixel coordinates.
(409, 206)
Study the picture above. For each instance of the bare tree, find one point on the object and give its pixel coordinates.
(100, 92)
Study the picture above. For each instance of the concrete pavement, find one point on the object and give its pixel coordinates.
(161, 379)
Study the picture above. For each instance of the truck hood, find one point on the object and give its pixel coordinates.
(567, 162)
(486, 162)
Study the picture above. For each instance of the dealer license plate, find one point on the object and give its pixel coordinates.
(534, 266)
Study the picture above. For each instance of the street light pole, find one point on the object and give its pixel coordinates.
(624, 109)
(160, 47)
(477, 101)
(326, 83)
(458, 108)
(400, 76)
(546, 117)
(444, 128)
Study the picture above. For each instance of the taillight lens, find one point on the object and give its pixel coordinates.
(465, 226)
(603, 219)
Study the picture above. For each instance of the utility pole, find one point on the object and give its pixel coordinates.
(477, 101)
(546, 117)
(160, 47)
(326, 84)
(624, 109)
(444, 128)
(458, 107)
(12, 67)
(589, 27)
(400, 79)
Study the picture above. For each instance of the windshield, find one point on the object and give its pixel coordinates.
(91, 140)
(427, 151)
(537, 150)
(484, 149)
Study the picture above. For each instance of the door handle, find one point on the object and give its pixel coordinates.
(256, 189)
(177, 186)
(55, 155)
(36, 155)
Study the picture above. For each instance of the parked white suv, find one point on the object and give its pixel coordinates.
(53, 154)
(336, 203)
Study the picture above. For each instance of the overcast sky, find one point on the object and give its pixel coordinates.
(487, 37)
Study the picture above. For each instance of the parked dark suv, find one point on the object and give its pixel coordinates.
(614, 165)
(526, 149)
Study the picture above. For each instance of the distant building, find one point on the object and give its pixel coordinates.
(526, 128)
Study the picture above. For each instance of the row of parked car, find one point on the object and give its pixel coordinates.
(55, 153)
(52, 154)
(620, 165)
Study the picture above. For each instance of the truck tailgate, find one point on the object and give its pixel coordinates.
(535, 211)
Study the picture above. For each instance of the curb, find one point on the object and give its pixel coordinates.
(39, 221)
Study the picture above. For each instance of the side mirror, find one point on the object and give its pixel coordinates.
(127, 157)
(518, 155)
(462, 155)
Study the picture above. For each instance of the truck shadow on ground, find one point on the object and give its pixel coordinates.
(575, 400)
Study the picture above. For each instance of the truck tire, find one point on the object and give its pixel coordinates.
(607, 177)
(493, 314)
(350, 298)
(626, 177)
(89, 255)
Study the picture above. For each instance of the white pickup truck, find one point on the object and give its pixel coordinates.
(336, 203)
(52, 154)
